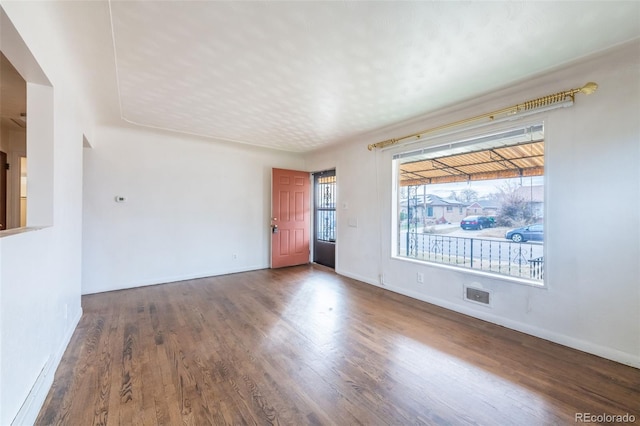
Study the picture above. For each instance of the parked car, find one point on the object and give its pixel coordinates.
(476, 222)
(526, 233)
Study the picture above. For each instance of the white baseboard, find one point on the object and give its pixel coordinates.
(176, 278)
(28, 413)
(581, 345)
(361, 278)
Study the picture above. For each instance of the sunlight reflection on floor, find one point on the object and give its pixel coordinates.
(439, 369)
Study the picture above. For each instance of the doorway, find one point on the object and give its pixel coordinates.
(3, 191)
(23, 192)
(324, 206)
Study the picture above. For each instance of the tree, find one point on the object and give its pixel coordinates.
(514, 210)
(468, 196)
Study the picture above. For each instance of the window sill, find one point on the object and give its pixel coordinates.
(16, 231)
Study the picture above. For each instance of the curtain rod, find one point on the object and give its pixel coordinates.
(531, 106)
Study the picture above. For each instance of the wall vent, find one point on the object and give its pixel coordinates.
(476, 295)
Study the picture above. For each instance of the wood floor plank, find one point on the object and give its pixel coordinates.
(303, 345)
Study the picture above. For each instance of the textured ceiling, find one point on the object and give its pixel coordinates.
(300, 75)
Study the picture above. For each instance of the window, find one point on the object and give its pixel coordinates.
(485, 203)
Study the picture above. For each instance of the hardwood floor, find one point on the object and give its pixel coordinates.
(304, 346)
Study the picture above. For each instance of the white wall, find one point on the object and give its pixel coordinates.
(592, 299)
(40, 268)
(191, 204)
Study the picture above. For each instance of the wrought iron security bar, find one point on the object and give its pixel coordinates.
(522, 260)
(325, 207)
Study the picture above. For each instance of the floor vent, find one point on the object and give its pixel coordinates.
(477, 295)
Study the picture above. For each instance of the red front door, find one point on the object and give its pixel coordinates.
(290, 220)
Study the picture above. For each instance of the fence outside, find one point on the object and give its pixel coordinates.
(522, 260)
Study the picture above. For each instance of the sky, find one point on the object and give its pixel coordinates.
(482, 187)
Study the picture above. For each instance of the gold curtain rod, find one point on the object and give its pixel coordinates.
(533, 104)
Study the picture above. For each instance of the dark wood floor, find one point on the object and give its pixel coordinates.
(305, 346)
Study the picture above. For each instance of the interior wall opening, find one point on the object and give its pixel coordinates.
(13, 143)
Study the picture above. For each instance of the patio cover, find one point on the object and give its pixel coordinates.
(525, 159)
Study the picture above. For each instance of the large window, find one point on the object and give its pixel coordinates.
(476, 204)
